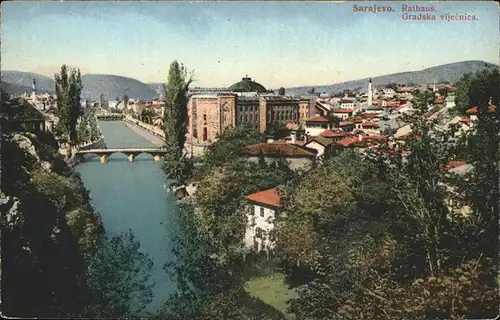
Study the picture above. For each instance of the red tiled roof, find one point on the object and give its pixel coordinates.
(269, 197)
(393, 103)
(278, 149)
(333, 134)
(348, 141)
(453, 164)
(344, 110)
(318, 119)
(466, 121)
(370, 115)
(369, 124)
(473, 110)
(345, 123)
(439, 100)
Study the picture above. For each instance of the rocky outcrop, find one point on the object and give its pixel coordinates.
(11, 216)
(49, 228)
(24, 142)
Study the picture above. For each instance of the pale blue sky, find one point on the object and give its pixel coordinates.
(277, 43)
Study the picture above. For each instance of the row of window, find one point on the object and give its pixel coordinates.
(249, 117)
(283, 115)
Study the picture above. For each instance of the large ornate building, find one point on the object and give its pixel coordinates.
(244, 103)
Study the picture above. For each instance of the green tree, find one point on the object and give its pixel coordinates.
(175, 119)
(473, 89)
(209, 265)
(397, 251)
(125, 103)
(68, 90)
(118, 276)
(103, 102)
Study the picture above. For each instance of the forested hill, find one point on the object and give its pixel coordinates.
(15, 82)
(115, 87)
(451, 72)
(21, 81)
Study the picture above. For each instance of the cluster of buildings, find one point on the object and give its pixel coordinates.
(245, 103)
(357, 127)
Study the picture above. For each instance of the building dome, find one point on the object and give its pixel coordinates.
(247, 85)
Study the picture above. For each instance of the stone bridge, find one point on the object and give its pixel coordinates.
(131, 153)
(110, 116)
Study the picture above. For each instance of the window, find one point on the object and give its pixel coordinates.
(204, 117)
(262, 212)
(259, 233)
(205, 134)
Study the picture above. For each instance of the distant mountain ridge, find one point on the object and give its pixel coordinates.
(113, 86)
(18, 80)
(450, 72)
(94, 85)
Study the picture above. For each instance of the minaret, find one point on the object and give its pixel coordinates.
(33, 94)
(370, 93)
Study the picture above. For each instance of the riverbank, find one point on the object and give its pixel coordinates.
(143, 130)
(131, 196)
(144, 133)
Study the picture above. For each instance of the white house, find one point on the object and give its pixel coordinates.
(450, 101)
(370, 128)
(260, 219)
(113, 103)
(315, 125)
(320, 144)
(343, 113)
(347, 103)
(389, 92)
(157, 120)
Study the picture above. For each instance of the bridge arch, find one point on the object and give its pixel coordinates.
(130, 153)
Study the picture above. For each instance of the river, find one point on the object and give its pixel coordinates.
(131, 195)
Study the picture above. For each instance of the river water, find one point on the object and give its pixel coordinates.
(131, 195)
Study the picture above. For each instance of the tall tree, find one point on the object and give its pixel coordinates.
(125, 103)
(68, 89)
(103, 103)
(176, 120)
(119, 275)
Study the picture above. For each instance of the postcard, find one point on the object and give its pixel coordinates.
(249, 160)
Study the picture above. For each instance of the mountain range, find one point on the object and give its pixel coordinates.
(451, 72)
(113, 86)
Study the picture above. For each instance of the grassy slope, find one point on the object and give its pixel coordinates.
(271, 289)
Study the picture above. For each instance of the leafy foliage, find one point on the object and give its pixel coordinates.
(472, 89)
(210, 264)
(118, 276)
(177, 166)
(68, 89)
(381, 239)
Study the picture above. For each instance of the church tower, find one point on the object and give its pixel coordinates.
(370, 93)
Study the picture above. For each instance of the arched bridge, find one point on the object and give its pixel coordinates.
(131, 153)
(110, 116)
